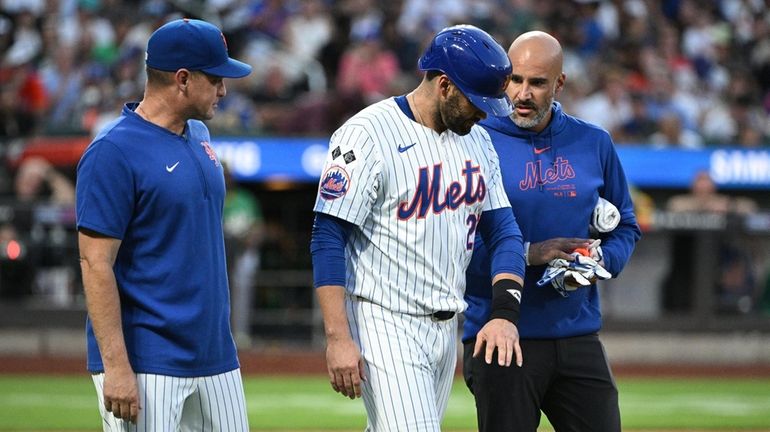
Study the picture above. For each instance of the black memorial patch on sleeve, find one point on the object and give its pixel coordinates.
(349, 157)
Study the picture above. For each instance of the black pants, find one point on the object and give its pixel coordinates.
(568, 379)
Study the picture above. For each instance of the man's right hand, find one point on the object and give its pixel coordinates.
(346, 367)
(121, 395)
(543, 252)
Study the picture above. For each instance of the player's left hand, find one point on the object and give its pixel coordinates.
(345, 366)
(501, 334)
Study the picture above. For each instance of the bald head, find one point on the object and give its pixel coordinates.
(537, 47)
(537, 78)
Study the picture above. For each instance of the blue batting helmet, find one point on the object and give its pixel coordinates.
(475, 63)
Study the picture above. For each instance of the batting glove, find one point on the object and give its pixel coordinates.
(595, 251)
(567, 276)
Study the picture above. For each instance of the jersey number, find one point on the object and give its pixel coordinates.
(473, 222)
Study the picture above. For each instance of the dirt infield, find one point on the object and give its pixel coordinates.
(314, 363)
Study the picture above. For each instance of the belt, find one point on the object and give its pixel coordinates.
(442, 315)
(435, 316)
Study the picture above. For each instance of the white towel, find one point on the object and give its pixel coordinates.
(606, 216)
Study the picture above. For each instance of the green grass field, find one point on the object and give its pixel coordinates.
(45, 403)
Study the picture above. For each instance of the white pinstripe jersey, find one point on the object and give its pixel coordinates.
(415, 197)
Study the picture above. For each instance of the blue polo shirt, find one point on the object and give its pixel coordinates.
(162, 195)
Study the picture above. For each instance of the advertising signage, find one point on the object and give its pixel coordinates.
(302, 159)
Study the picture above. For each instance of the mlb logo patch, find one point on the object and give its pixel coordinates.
(334, 183)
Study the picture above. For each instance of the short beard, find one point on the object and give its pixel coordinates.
(453, 119)
(540, 114)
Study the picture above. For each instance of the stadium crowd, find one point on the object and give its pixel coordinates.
(662, 72)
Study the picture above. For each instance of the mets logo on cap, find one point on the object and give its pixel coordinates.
(224, 41)
(334, 183)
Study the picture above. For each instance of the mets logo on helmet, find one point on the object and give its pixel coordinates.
(210, 152)
(334, 183)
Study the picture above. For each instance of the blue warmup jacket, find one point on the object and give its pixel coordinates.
(553, 180)
(162, 195)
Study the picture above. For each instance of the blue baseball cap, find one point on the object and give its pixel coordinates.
(194, 45)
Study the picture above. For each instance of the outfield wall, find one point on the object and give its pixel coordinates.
(746, 353)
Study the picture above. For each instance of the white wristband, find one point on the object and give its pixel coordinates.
(526, 253)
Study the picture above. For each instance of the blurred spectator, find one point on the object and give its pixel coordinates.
(764, 301)
(330, 53)
(268, 17)
(405, 48)
(666, 98)
(366, 17)
(244, 233)
(704, 198)
(668, 50)
(735, 285)
(6, 35)
(42, 214)
(610, 106)
(91, 31)
(640, 125)
(758, 48)
(698, 60)
(308, 31)
(23, 98)
(718, 125)
(273, 101)
(237, 113)
(520, 19)
(423, 18)
(63, 81)
(18, 6)
(23, 101)
(589, 32)
(27, 40)
(751, 122)
(136, 36)
(671, 133)
(34, 176)
(751, 137)
(367, 68)
(705, 36)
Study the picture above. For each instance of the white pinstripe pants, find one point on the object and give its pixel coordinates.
(409, 363)
(176, 404)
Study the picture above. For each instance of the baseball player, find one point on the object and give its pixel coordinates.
(150, 193)
(407, 184)
(555, 168)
